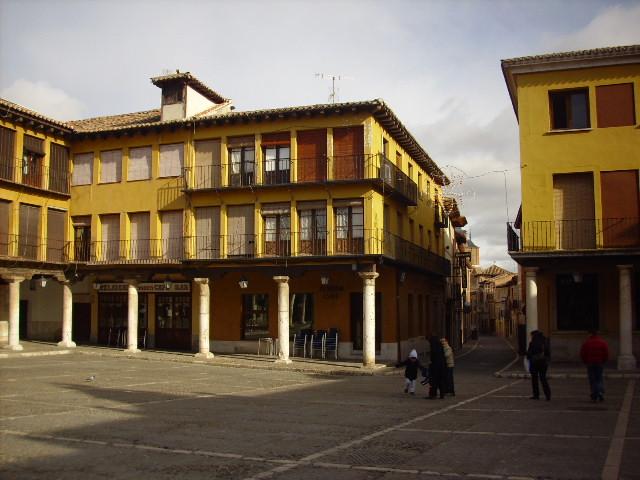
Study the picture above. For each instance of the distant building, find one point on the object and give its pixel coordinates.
(495, 300)
(577, 236)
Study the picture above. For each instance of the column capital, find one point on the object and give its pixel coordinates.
(281, 279)
(202, 281)
(531, 271)
(132, 281)
(368, 275)
(12, 278)
(624, 267)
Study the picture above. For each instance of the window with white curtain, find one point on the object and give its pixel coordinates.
(82, 169)
(171, 160)
(110, 166)
(139, 163)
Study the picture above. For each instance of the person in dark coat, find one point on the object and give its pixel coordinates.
(437, 368)
(595, 353)
(411, 366)
(539, 355)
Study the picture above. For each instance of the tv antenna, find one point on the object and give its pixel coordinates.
(333, 96)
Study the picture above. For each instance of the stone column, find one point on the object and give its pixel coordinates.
(205, 301)
(67, 315)
(369, 318)
(532, 300)
(14, 314)
(132, 317)
(626, 360)
(283, 318)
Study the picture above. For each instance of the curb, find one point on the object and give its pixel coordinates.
(35, 354)
(567, 375)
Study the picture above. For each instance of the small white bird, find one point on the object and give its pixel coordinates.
(91, 378)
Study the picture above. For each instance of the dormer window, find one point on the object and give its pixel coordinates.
(172, 94)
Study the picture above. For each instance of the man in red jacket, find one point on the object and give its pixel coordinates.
(594, 354)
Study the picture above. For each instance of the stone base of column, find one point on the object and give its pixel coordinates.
(131, 350)
(67, 344)
(206, 355)
(285, 361)
(14, 348)
(626, 362)
(373, 366)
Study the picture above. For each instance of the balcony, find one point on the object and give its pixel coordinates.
(123, 252)
(345, 168)
(41, 178)
(31, 248)
(574, 235)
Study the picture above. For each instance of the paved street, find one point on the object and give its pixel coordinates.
(158, 419)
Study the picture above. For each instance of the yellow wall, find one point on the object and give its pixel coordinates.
(544, 152)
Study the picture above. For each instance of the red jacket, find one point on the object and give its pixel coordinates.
(594, 351)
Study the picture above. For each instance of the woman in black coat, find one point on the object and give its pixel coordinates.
(437, 368)
(538, 355)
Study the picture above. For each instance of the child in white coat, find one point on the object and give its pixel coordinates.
(412, 365)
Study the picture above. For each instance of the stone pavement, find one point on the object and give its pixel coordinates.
(109, 416)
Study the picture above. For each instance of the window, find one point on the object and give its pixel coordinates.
(276, 164)
(29, 231)
(255, 315)
(207, 171)
(82, 169)
(7, 153)
(385, 147)
(171, 160)
(172, 94)
(139, 228)
(56, 220)
(569, 109)
(577, 302)
(313, 228)
(171, 234)
(277, 229)
(81, 238)
(240, 230)
(419, 185)
(615, 105)
(410, 174)
(111, 166)
(109, 247)
(349, 222)
(207, 241)
(301, 313)
(32, 161)
(428, 190)
(139, 163)
(242, 171)
(59, 168)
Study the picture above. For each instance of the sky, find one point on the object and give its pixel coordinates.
(435, 63)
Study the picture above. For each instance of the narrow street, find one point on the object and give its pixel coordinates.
(170, 420)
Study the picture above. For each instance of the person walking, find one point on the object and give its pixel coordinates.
(539, 355)
(449, 364)
(595, 353)
(437, 368)
(412, 365)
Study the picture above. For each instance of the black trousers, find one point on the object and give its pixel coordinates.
(539, 372)
(436, 381)
(448, 384)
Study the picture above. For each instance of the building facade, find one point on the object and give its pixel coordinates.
(577, 236)
(197, 227)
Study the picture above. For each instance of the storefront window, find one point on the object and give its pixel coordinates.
(301, 313)
(255, 315)
(577, 302)
(174, 311)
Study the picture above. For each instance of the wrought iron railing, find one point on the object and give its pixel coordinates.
(54, 180)
(583, 234)
(33, 248)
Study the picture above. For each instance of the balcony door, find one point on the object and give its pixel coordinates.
(172, 232)
(32, 160)
(242, 157)
(55, 235)
(277, 158)
(110, 245)
(620, 209)
(312, 155)
(348, 152)
(574, 212)
(277, 229)
(349, 222)
(207, 242)
(29, 232)
(207, 172)
(240, 229)
(139, 246)
(81, 238)
(313, 228)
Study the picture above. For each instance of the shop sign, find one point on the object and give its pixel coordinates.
(145, 287)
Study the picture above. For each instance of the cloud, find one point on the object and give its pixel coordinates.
(616, 25)
(45, 99)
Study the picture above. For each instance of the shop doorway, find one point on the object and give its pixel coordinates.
(22, 319)
(81, 319)
(173, 321)
(113, 318)
(356, 320)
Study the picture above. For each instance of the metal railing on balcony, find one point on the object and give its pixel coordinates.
(320, 169)
(407, 252)
(33, 248)
(165, 250)
(568, 235)
(54, 180)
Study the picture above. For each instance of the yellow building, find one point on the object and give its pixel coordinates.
(579, 238)
(201, 227)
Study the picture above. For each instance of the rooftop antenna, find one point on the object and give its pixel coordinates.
(333, 96)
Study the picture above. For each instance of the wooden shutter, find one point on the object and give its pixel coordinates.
(171, 159)
(139, 163)
(82, 169)
(574, 211)
(139, 235)
(110, 166)
(7, 153)
(246, 141)
(348, 152)
(240, 229)
(207, 232)
(59, 169)
(33, 144)
(5, 215)
(172, 232)
(615, 105)
(620, 208)
(29, 231)
(207, 173)
(109, 247)
(55, 235)
(278, 138)
(312, 155)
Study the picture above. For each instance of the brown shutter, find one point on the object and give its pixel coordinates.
(240, 230)
(59, 169)
(33, 144)
(620, 208)
(207, 174)
(574, 211)
(207, 240)
(312, 155)
(246, 141)
(348, 151)
(277, 138)
(615, 105)
(55, 235)
(29, 231)
(5, 214)
(7, 153)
